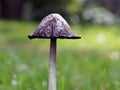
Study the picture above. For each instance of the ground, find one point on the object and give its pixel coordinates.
(91, 63)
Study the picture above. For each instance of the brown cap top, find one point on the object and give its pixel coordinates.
(53, 26)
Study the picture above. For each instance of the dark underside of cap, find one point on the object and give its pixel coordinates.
(60, 37)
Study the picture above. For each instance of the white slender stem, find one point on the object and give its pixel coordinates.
(52, 72)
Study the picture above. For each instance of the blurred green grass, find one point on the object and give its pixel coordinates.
(91, 63)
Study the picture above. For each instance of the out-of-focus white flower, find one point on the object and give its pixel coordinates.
(14, 82)
(101, 38)
(115, 55)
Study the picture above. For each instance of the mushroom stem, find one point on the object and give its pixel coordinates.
(52, 62)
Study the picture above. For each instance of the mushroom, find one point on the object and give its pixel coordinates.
(53, 27)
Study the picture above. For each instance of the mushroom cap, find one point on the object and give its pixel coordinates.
(53, 26)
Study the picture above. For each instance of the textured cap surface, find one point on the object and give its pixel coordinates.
(53, 26)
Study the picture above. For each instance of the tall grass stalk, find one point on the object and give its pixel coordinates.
(101, 79)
